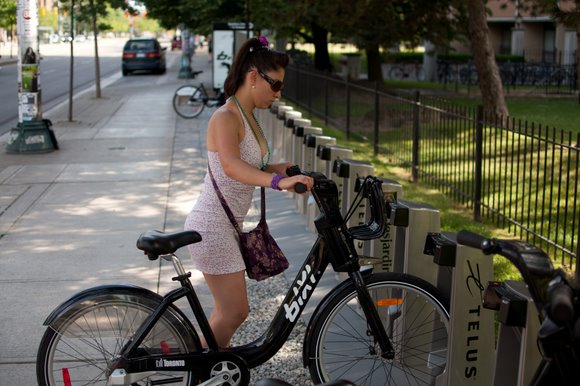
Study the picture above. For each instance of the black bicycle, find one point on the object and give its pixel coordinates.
(373, 328)
(556, 300)
(189, 101)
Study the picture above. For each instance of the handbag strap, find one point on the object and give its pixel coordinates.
(226, 206)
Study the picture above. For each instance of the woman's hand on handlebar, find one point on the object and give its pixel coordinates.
(289, 183)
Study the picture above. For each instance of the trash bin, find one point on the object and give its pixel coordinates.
(349, 170)
(381, 251)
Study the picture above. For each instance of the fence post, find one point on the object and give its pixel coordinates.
(326, 101)
(377, 117)
(478, 163)
(347, 108)
(416, 138)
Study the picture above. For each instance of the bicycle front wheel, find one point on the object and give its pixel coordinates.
(416, 319)
(188, 101)
(80, 346)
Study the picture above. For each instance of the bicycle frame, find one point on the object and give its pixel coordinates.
(333, 245)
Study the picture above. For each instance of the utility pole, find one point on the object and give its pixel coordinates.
(32, 134)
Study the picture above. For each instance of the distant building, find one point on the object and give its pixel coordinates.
(515, 31)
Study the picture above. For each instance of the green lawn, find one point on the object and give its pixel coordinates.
(562, 113)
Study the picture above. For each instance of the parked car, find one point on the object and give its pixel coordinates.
(143, 54)
(176, 43)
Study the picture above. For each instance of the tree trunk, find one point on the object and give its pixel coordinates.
(97, 66)
(489, 80)
(320, 40)
(374, 62)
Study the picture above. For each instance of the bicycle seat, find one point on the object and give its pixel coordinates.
(156, 243)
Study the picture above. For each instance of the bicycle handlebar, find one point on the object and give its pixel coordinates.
(370, 189)
(294, 171)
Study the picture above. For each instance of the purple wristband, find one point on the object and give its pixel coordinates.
(275, 181)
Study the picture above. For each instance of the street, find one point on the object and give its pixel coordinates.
(54, 75)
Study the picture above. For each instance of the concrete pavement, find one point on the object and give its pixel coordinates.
(69, 219)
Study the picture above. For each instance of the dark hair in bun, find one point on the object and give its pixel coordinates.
(255, 53)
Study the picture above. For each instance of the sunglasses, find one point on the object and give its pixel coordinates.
(275, 85)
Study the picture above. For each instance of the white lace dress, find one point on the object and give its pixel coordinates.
(218, 253)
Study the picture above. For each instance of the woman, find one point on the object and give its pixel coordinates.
(238, 155)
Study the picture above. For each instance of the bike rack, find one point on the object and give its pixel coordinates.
(289, 119)
(299, 131)
(380, 252)
(289, 145)
(413, 222)
(463, 273)
(518, 331)
(269, 119)
(329, 154)
(349, 170)
(278, 132)
(312, 162)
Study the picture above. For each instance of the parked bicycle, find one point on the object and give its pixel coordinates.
(557, 304)
(373, 328)
(189, 100)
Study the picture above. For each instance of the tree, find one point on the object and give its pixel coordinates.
(8, 14)
(490, 85)
(89, 11)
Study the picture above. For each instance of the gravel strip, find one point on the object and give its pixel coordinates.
(265, 298)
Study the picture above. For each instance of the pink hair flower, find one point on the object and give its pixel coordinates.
(264, 41)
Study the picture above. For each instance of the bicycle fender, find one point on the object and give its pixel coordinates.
(323, 304)
(85, 294)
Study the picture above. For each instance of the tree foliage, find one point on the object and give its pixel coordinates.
(7, 14)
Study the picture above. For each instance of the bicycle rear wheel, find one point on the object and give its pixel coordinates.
(415, 316)
(188, 101)
(82, 343)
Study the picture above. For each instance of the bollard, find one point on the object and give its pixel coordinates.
(312, 162)
(471, 340)
(349, 170)
(278, 133)
(413, 221)
(380, 252)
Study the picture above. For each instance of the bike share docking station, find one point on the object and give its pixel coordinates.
(472, 357)
(311, 161)
(278, 132)
(299, 131)
(268, 119)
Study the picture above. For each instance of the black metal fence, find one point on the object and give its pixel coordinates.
(535, 77)
(520, 175)
(543, 76)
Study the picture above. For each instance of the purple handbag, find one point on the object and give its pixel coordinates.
(262, 255)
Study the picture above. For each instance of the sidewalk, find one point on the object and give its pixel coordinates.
(69, 219)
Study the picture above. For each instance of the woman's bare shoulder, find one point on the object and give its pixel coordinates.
(225, 117)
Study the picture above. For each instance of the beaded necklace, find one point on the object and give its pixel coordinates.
(264, 164)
